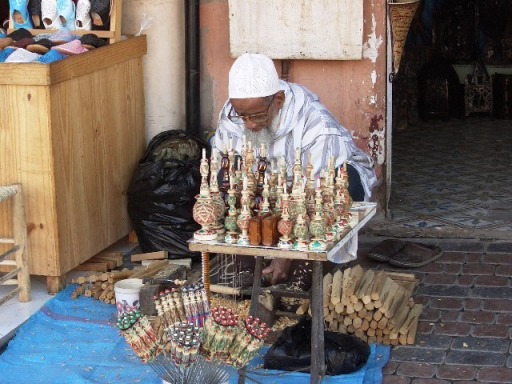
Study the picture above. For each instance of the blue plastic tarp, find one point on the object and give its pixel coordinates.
(75, 341)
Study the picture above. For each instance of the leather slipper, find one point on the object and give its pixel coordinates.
(385, 250)
(414, 255)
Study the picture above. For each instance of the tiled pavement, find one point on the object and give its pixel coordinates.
(464, 332)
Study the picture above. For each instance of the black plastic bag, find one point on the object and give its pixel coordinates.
(162, 193)
(292, 351)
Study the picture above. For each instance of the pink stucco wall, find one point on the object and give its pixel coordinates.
(354, 91)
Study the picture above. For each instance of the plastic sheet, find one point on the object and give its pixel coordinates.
(292, 350)
(162, 193)
(72, 341)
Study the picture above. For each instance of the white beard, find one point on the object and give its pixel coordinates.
(264, 136)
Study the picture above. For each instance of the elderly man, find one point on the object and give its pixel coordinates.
(285, 116)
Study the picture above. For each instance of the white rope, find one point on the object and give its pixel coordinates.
(7, 191)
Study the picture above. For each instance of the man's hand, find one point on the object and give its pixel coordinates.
(279, 269)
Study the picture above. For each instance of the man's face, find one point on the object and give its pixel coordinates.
(257, 113)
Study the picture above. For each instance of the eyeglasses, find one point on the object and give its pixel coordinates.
(256, 118)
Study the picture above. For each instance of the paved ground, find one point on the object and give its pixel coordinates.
(465, 330)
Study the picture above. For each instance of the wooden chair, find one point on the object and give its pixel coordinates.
(478, 91)
(16, 257)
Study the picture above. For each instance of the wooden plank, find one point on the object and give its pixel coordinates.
(158, 255)
(111, 264)
(115, 256)
(87, 266)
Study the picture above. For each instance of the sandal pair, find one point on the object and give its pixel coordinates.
(100, 14)
(405, 254)
(19, 14)
(58, 13)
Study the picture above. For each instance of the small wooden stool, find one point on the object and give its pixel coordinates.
(17, 255)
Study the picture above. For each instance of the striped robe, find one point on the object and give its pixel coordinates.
(305, 123)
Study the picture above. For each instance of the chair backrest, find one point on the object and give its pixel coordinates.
(15, 258)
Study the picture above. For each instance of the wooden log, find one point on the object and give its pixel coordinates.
(327, 288)
(303, 308)
(342, 328)
(336, 287)
(151, 270)
(365, 286)
(380, 278)
(79, 291)
(370, 306)
(358, 306)
(345, 297)
(357, 322)
(382, 323)
(347, 321)
(412, 318)
(399, 300)
(411, 335)
(349, 309)
(333, 326)
(123, 274)
(365, 325)
(360, 334)
(355, 278)
(387, 295)
(158, 255)
(339, 308)
(398, 319)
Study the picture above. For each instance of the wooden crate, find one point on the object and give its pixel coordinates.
(71, 133)
(114, 34)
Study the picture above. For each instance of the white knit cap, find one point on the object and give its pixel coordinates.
(253, 75)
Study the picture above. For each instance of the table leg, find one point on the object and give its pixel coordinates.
(253, 310)
(205, 259)
(317, 325)
(256, 286)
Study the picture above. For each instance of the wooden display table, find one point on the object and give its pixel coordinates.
(71, 133)
(361, 214)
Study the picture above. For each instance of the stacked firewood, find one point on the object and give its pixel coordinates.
(376, 306)
(100, 286)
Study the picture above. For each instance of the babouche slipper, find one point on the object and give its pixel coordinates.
(386, 249)
(414, 255)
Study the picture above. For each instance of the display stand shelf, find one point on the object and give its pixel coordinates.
(361, 214)
(113, 35)
(71, 133)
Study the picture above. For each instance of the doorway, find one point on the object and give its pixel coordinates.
(451, 174)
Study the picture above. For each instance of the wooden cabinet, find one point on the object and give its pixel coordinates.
(72, 132)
